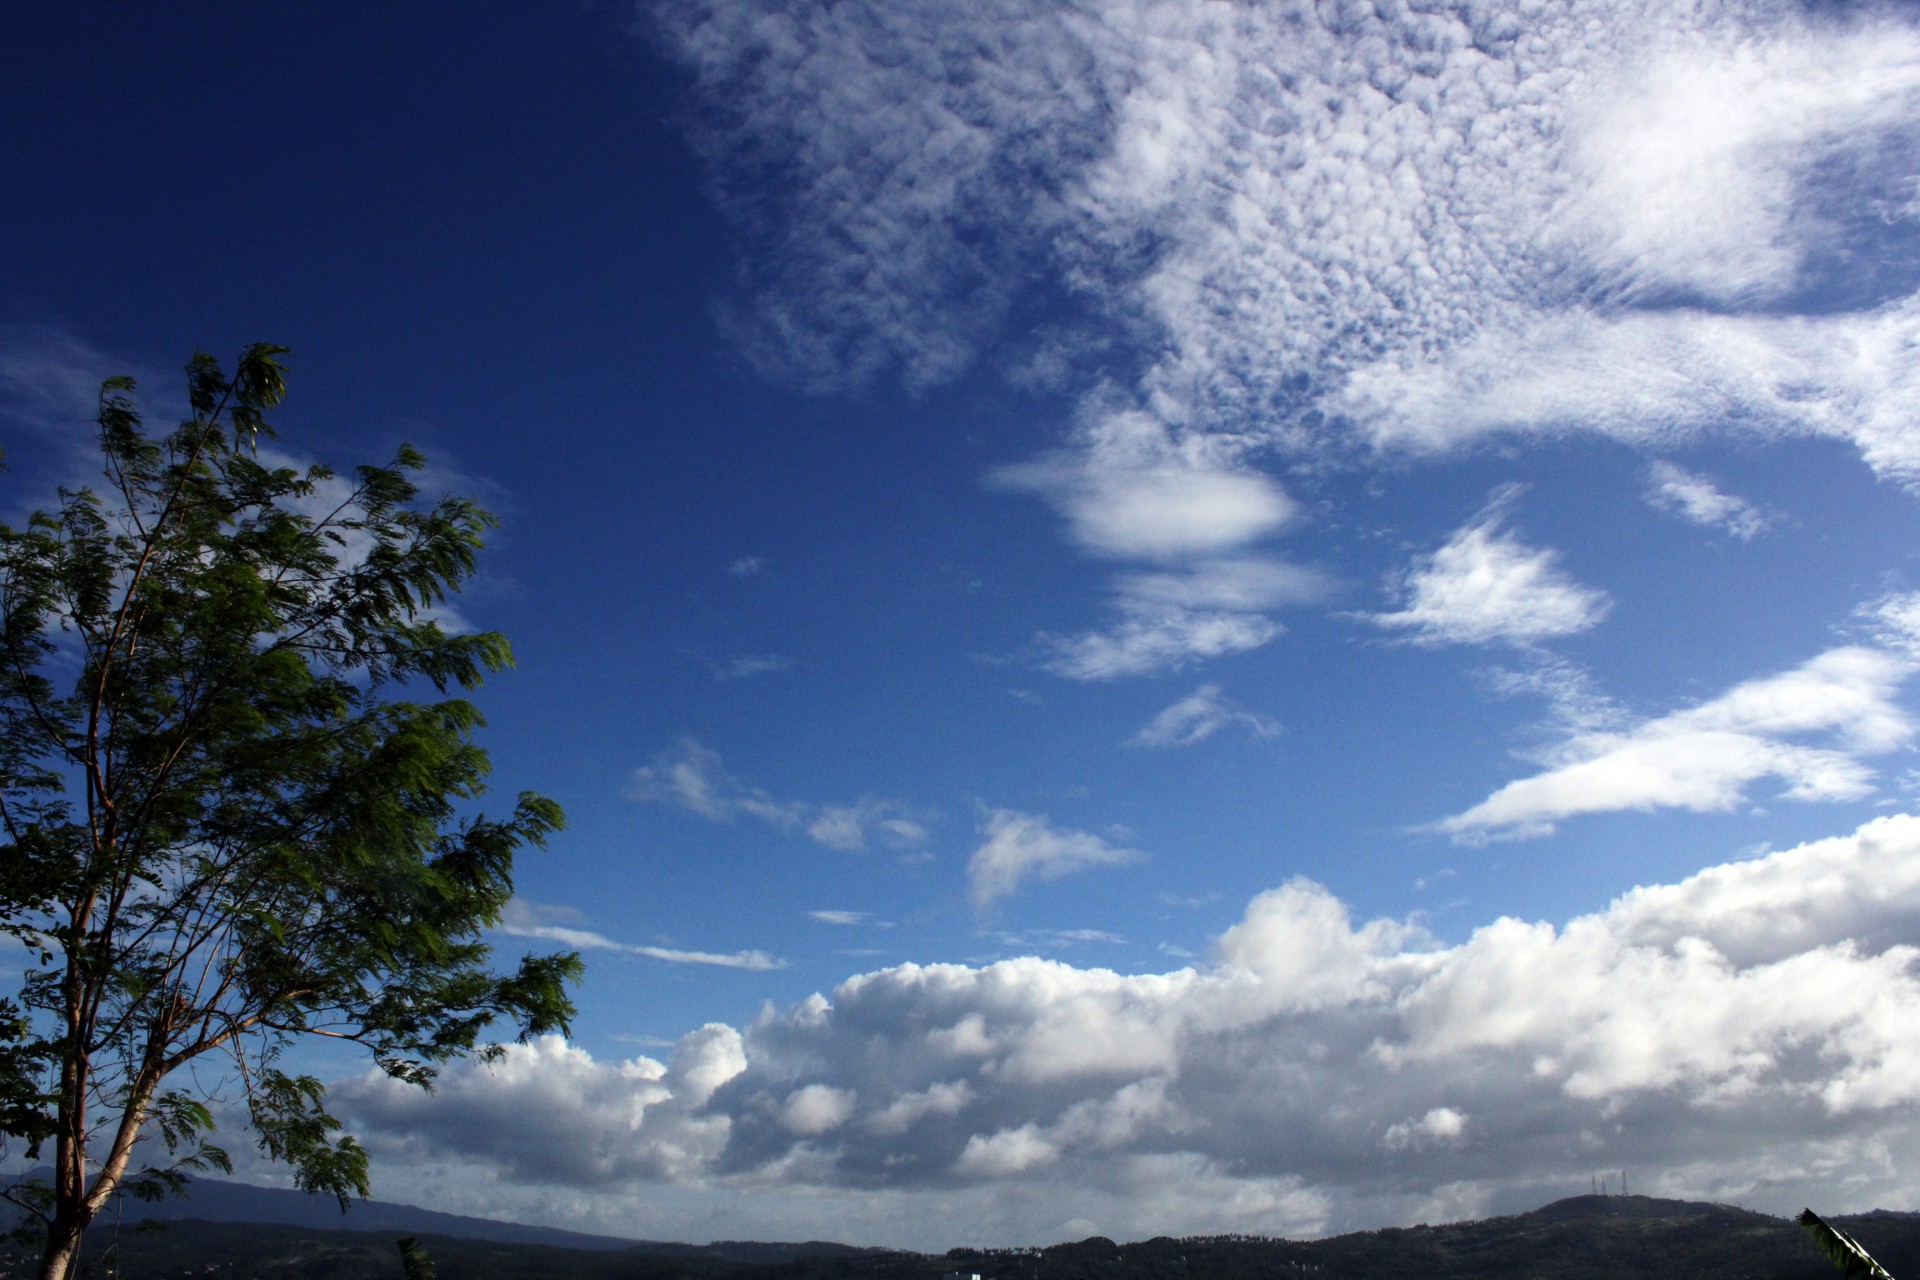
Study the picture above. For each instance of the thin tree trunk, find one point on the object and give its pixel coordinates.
(64, 1233)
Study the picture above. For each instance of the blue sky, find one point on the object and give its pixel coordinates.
(1151, 617)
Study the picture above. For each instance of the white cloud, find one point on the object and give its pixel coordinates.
(849, 827)
(758, 961)
(1894, 622)
(524, 919)
(1692, 161)
(1696, 498)
(1023, 846)
(746, 666)
(1734, 1035)
(1243, 584)
(50, 380)
(551, 1113)
(1313, 229)
(747, 566)
(946, 1098)
(1705, 757)
(1147, 642)
(1172, 618)
(816, 1109)
(839, 917)
(1199, 716)
(1442, 1125)
(692, 777)
(1006, 1154)
(1031, 941)
(1485, 585)
(1289, 234)
(1133, 495)
(1575, 701)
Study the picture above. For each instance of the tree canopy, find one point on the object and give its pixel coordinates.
(222, 829)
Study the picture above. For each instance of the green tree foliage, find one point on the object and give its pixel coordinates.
(1841, 1249)
(415, 1264)
(222, 830)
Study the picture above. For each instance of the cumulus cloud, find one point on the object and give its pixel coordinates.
(1024, 846)
(1440, 1125)
(549, 1112)
(692, 777)
(1705, 757)
(1733, 1035)
(1197, 717)
(1485, 585)
(1696, 498)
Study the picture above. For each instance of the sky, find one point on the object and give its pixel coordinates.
(1152, 617)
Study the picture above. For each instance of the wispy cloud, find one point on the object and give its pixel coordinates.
(693, 777)
(747, 566)
(537, 920)
(1057, 939)
(50, 382)
(755, 960)
(1300, 234)
(1706, 757)
(1024, 846)
(1172, 618)
(746, 666)
(1696, 498)
(1200, 715)
(1485, 585)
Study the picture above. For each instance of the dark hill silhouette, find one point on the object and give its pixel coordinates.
(1598, 1206)
(217, 1200)
(1582, 1238)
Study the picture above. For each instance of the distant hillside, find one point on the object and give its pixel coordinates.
(1584, 1238)
(215, 1200)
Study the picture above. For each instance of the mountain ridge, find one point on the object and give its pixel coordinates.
(1587, 1237)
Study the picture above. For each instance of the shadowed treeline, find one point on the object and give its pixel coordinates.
(1583, 1238)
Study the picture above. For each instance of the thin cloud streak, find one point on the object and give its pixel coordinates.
(691, 776)
(533, 920)
(1197, 717)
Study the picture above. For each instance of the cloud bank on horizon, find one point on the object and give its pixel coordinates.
(1742, 1034)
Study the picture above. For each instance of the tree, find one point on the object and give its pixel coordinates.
(224, 831)
(1841, 1249)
